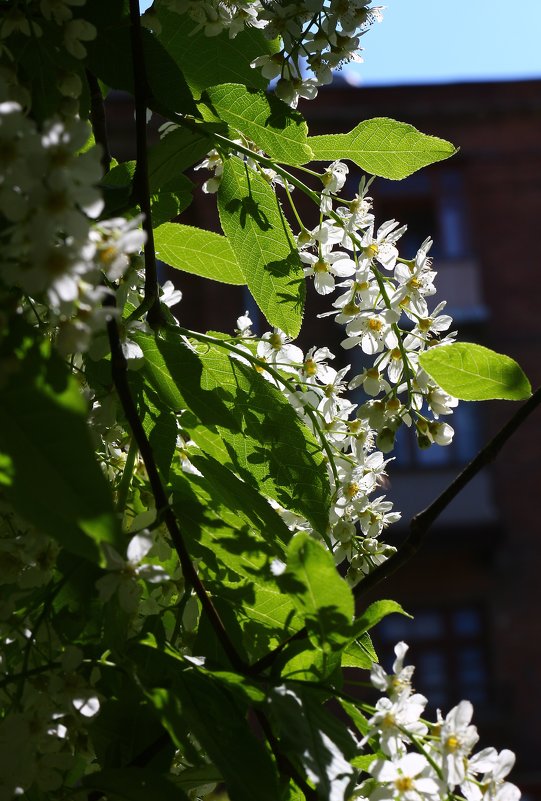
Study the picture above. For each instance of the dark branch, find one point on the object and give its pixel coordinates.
(151, 302)
(421, 523)
(98, 120)
(120, 380)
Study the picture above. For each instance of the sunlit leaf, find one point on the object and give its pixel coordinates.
(319, 592)
(262, 242)
(384, 147)
(210, 60)
(472, 372)
(276, 128)
(199, 252)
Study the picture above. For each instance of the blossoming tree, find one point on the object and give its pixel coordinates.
(190, 520)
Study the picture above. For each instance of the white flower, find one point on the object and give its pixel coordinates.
(275, 348)
(315, 365)
(406, 778)
(116, 240)
(123, 573)
(491, 786)
(456, 740)
(371, 330)
(394, 721)
(244, 325)
(334, 177)
(325, 266)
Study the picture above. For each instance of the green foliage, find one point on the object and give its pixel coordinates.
(173, 154)
(274, 127)
(47, 453)
(239, 419)
(169, 92)
(383, 147)
(321, 596)
(209, 61)
(472, 372)
(198, 252)
(253, 221)
(134, 784)
(174, 504)
(318, 741)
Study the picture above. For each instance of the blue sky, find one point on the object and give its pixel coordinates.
(432, 41)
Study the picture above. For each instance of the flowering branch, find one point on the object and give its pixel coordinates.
(421, 523)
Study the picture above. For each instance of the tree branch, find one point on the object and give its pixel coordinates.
(151, 302)
(98, 120)
(120, 379)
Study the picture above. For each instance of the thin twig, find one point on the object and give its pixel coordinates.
(421, 523)
(151, 302)
(98, 120)
(282, 761)
(120, 379)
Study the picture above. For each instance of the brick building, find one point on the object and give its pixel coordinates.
(475, 588)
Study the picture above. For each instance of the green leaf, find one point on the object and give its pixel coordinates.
(209, 60)
(217, 717)
(472, 372)
(173, 154)
(161, 429)
(276, 128)
(245, 500)
(219, 534)
(241, 420)
(51, 474)
(166, 203)
(358, 719)
(302, 661)
(383, 147)
(259, 234)
(319, 592)
(270, 609)
(359, 653)
(134, 784)
(110, 59)
(198, 252)
(191, 778)
(318, 741)
(376, 612)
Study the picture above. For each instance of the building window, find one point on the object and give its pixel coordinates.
(465, 444)
(448, 648)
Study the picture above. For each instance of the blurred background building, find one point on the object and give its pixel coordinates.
(475, 587)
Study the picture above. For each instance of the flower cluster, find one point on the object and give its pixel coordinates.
(421, 760)
(383, 305)
(54, 248)
(314, 34)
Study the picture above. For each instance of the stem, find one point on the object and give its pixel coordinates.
(275, 374)
(422, 522)
(151, 302)
(119, 372)
(282, 761)
(98, 120)
(125, 481)
(294, 208)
